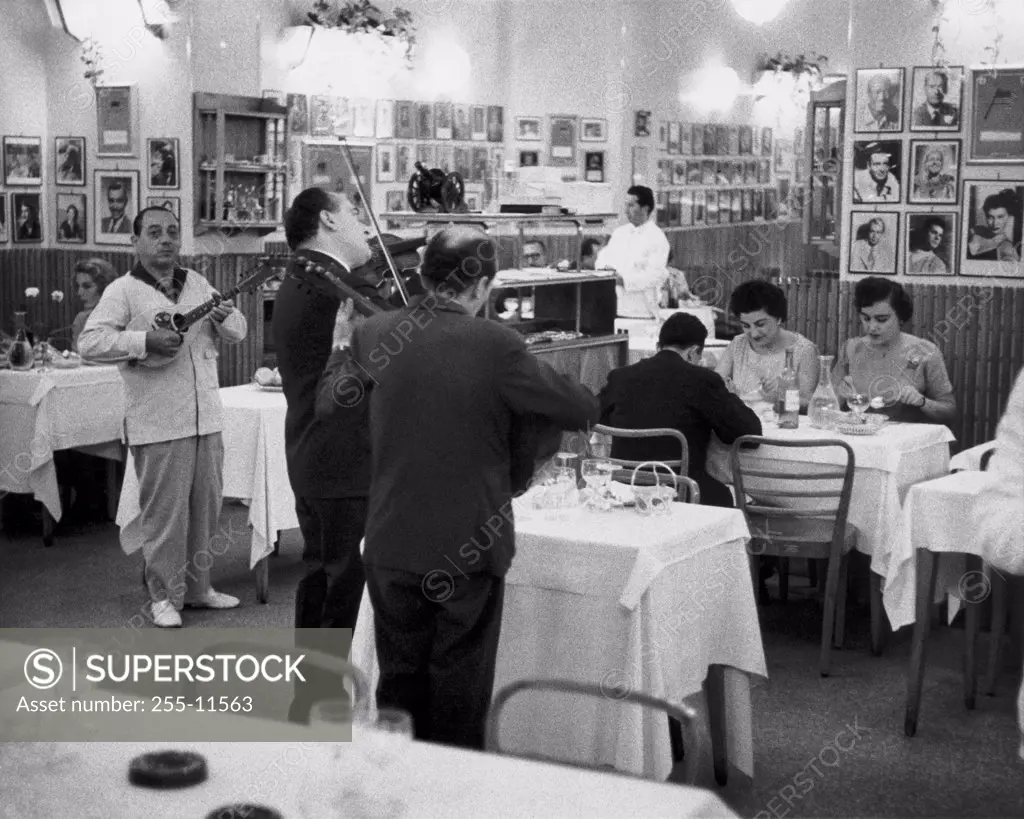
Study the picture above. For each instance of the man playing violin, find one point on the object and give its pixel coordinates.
(328, 464)
(173, 414)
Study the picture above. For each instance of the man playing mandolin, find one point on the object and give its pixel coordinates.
(172, 411)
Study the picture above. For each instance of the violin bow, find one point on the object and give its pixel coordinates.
(399, 283)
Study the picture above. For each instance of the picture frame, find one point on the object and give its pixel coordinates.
(642, 123)
(69, 160)
(495, 123)
(385, 163)
(443, 114)
(424, 120)
(116, 118)
(746, 140)
(871, 250)
(593, 166)
(594, 130)
(662, 136)
(385, 125)
(404, 166)
(478, 164)
(696, 142)
(528, 129)
(931, 244)
(879, 100)
(461, 131)
(673, 138)
(23, 161)
(997, 115)
(478, 123)
(934, 175)
(298, 114)
(164, 166)
(363, 117)
(529, 159)
(425, 154)
(766, 141)
(71, 227)
(395, 201)
(877, 171)
(562, 141)
(171, 203)
(5, 233)
(26, 220)
(685, 139)
(405, 119)
(936, 98)
(321, 115)
(115, 205)
(641, 164)
(990, 244)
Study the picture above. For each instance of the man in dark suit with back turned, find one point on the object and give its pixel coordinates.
(328, 464)
(671, 390)
(447, 392)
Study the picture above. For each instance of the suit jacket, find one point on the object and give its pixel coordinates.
(949, 115)
(452, 398)
(665, 391)
(107, 222)
(324, 460)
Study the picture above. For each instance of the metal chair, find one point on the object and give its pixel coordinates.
(800, 510)
(687, 490)
(683, 715)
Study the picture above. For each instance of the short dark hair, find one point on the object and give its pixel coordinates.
(590, 245)
(137, 221)
(756, 295)
(644, 197)
(543, 246)
(457, 257)
(1006, 199)
(302, 219)
(874, 289)
(683, 330)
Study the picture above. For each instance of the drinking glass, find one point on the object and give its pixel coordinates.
(858, 404)
(333, 718)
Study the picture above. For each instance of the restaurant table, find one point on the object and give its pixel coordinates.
(304, 779)
(661, 604)
(44, 410)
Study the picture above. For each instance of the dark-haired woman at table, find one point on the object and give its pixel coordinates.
(903, 373)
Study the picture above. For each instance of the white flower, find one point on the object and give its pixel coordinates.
(57, 296)
(31, 292)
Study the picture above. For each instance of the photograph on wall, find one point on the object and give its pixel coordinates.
(877, 170)
(115, 121)
(163, 162)
(709, 139)
(879, 104)
(385, 119)
(23, 161)
(931, 244)
(171, 203)
(395, 202)
(529, 159)
(708, 175)
(461, 131)
(673, 137)
(363, 118)
(443, 120)
(874, 238)
(495, 123)
(935, 172)
(5, 234)
(766, 141)
(298, 114)
(663, 136)
(722, 140)
(685, 138)
(746, 143)
(661, 209)
(699, 207)
(71, 218)
(405, 119)
(69, 160)
(403, 163)
(594, 166)
(344, 117)
(734, 140)
(562, 145)
(594, 130)
(528, 129)
(696, 139)
(25, 213)
(444, 158)
(425, 120)
(321, 115)
(478, 160)
(693, 174)
(664, 176)
(936, 98)
(462, 163)
(641, 169)
(385, 163)
(478, 123)
(116, 202)
(425, 155)
(993, 213)
(679, 172)
(997, 115)
(642, 123)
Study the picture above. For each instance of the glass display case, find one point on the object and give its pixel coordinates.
(824, 156)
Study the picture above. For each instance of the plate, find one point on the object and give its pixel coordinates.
(857, 429)
(268, 387)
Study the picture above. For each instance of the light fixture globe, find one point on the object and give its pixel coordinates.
(759, 12)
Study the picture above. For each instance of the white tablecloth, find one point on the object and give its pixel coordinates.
(254, 469)
(613, 599)
(938, 515)
(970, 458)
(887, 465)
(301, 778)
(42, 411)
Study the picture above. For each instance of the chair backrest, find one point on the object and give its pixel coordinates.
(986, 456)
(687, 490)
(681, 466)
(682, 713)
(772, 487)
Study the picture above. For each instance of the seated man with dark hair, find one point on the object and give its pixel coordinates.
(672, 390)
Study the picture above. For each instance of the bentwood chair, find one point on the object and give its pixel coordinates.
(800, 510)
(683, 716)
(686, 490)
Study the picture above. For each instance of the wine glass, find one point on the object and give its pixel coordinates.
(597, 473)
(858, 403)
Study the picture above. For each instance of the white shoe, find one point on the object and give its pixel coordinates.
(213, 600)
(165, 615)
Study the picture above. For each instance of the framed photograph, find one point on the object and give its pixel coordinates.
(495, 123)
(562, 144)
(997, 115)
(874, 237)
(395, 201)
(425, 154)
(936, 98)
(529, 159)
(685, 138)
(171, 203)
(642, 124)
(5, 234)
(679, 172)
(935, 172)
(746, 143)
(163, 163)
(721, 140)
(363, 117)
(461, 130)
(424, 120)
(385, 163)
(594, 130)
(385, 127)
(673, 137)
(641, 167)
(931, 244)
(991, 243)
(877, 171)
(766, 141)
(28, 226)
(594, 171)
(443, 114)
(298, 114)
(734, 140)
(116, 121)
(478, 123)
(116, 202)
(321, 118)
(444, 157)
(879, 105)
(405, 119)
(474, 196)
(403, 163)
(23, 161)
(461, 159)
(478, 164)
(661, 209)
(71, 214)
(709, 140)
(69, 160)
(528, 129)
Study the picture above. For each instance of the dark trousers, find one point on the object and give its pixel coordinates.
(329, 594)
(713, 492)
(437, 642)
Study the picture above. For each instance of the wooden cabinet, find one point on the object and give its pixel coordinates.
(241, 155)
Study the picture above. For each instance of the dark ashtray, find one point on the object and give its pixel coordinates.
(167, 769)
(244, 811)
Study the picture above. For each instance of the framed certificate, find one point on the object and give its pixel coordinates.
(997, 115)
(562, 148)
(115, 121)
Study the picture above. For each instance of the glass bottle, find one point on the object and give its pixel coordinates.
(21, 356)
(824, 401)
(787, 399)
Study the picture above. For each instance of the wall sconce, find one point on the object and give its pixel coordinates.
(759, 12)
(714, 88)
(85, 19)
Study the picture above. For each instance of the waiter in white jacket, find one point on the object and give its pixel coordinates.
(638, 252)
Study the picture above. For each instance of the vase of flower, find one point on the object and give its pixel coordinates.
(20, 356)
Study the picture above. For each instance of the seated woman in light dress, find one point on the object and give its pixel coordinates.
(753, 361)
(91, 278)
(903, 375)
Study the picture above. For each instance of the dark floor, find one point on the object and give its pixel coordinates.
(823, 747)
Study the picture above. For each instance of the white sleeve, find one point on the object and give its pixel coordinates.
(649, 265)
(104, 337)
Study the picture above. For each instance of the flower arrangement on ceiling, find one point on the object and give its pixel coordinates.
(785, 85)
(91, 55)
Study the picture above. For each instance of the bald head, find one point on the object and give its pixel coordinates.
(459, 257)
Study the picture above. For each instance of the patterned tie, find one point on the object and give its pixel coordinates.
(871, 259)
(935, 118)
